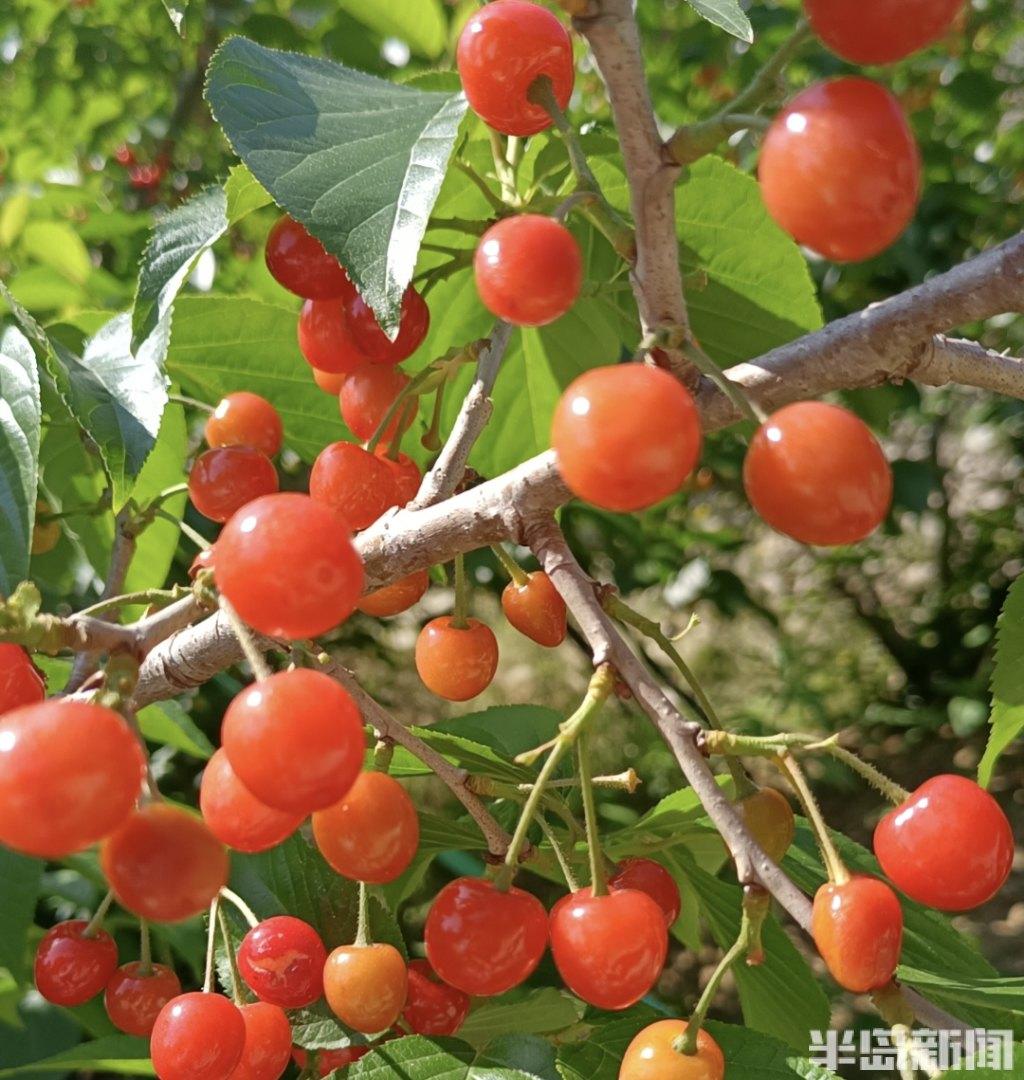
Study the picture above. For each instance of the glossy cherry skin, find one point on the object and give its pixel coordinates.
(503, 49)
(329, 1060)
(371, 340)
(235, 816)
(366, 398)
(365, 986)
(536, 609)
(405, 473)
(133, 999)
(282, 962)
(222, 481)
(651, 1055)
(858, 929)
(949, 846)
(880, 31)
(197, 1037)
(295, 740)
(626, 436)
(202, 561)
(456, 663)
(71, 968)
(268, 1043)
(70, 772)
(329, 381)
(482, 941)
(815, 472)
(20, 681)
(287, 565)
(164, 864)
(651, 878)
(840, 170)
(324, 337)
(506, 263)
(770, 819)
(395, 598)
(299, 262)
(431, 1006)
(354, 482)
(609, 949)
(244, 419)
(373, 833)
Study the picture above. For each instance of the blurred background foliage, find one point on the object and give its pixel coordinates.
(103, 128)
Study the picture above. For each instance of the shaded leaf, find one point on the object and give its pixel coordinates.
(20, 877)
(421, 24)
(167, 722)
(244, 194)
(529, 1012)
(120, 1054)
(1007, 718)
(1003, 992)
(727, 14)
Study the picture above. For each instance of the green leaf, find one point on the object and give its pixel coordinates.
(421, 24)
(472, 756)
(1003, 992)
(754, 1056)
(167, 722)
(317, 1028)
(526, 1054)
(20, 415)
(530, 1012)
(726, 14)
(178, 239)
(1007, 719)
(417, 1058)
(443, 834)
(599, 1053)
(20, 877)
(121, 1054)
(357, 160)
(507, 729)
(221, 344)
(244, 193)
(58, 246)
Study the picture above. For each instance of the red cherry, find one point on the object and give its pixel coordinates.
(235, 816)
(222, 481)
(244, 419)
(768, 815)
(652, 878)
(329, 1060)
(197, 1037)
(299, 262)
(268, 1043)
(877, 31)
(134, 996)
(431, 1006)
(354, 482)
(124, 155)
(282, 962)
(288, 567)
(858, 929)
(301, 722)
(396, 598)
(626, 436)
(365, 986)
(163, 864)
(324, 336)
(652, 1056)
(482, 941)
(503, 49)
(405, 473)
(20, 681)
(536, 609)
(329, 381)
(371, 340)
(456, 662)
(367, 396)
(373, 834)
(203, 561)
(71, 968)
(840, 170)
(948, 846)
(609, 949)
(69, 773)
(506, 264)
(147, 176)
(815, 472)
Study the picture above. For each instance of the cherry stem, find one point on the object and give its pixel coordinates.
(503, 170)
(460, 620)
(363, 925)
(162, 597)
(837, 871)
(211, 939)
(198, 539)
(431, 439)
(257, 661)
(240, 906)
(560, 855)
(602, 683)
(229, 949)
(510, 566)
(619, 609)
(495, 203)
(598, 876)
(101, 913)
(383, 752)
(145, 949)
(410, 390)
(744, 404)
(181, 399)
